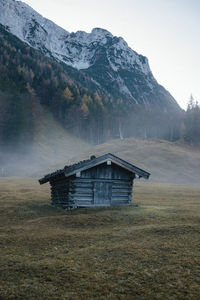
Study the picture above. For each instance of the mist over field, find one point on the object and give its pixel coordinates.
(50, 146)
(167, 162)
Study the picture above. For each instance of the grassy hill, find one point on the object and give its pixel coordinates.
(167, 162)
(146, 252)
(54, 147)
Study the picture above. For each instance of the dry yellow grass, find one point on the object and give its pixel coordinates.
(166, 161)
(151, 251)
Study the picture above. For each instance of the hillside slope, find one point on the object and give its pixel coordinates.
(51, 145)
(167, 162)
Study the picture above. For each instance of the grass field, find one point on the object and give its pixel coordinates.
(149, 251)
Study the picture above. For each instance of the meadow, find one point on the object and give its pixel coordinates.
(142, 252)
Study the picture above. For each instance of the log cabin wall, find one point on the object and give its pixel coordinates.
(102, 185)
(101, 181)
(60, 191)
(81, 192)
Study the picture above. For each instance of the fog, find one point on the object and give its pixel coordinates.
(34, 160)
(173, 163)
(20, 164)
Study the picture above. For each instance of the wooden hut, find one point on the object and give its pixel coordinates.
(103, 181)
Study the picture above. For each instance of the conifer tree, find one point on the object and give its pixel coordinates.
(192, 122)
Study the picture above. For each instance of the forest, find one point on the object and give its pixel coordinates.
(31, 83)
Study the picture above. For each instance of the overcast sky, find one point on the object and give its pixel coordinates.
(167, 32)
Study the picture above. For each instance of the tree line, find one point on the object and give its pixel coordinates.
(31, 83)
(191, 129)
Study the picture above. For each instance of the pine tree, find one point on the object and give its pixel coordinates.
(192, 122)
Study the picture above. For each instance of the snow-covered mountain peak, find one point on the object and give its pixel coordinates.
(77, 49)
(97, 35)
(108, 59)
(100, 33)
(28, 25)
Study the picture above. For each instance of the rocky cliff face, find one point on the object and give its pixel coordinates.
(108, 60)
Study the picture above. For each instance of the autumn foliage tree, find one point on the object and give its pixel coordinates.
(31, 82)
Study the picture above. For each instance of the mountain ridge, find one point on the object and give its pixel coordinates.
(107, 59)
(45, 102)
(110, 99)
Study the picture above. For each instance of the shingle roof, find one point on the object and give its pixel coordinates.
(94, 161)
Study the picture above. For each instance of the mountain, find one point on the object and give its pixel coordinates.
(31, 83)
(82, 86)
(111, 64)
